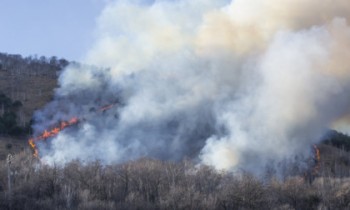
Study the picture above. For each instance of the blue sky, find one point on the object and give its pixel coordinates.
(64, 28)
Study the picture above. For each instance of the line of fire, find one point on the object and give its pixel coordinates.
(308, 176)
(54, 131)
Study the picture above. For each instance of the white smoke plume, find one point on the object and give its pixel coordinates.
(231, 84)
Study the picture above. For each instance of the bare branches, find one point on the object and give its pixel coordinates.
(154, 184)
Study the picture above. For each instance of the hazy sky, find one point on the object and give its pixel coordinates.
(64, 28)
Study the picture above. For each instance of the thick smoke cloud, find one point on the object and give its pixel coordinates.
(231, 84)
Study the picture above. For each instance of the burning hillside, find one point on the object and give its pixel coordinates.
(233, 84)
(55, 130)
(50, 133)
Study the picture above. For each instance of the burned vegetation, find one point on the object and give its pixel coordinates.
(27, 182)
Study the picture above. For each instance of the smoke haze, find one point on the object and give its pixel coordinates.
(230, 84)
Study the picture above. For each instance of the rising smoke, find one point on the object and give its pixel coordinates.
(231, 84)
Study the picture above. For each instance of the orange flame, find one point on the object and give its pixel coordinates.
(50, 133)
(33, 146)
(317, 160)
(56, 130)
(106, 107)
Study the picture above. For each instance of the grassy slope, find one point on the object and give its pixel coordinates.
(34, 91)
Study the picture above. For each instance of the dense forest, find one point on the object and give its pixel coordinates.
(27, 183)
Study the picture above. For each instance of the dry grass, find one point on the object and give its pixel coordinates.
(34, 91)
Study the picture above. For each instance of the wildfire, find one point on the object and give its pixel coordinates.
(50, 133)
(57, 129)
(317, 159)
(33, 146)
(311, 173)
(104, 108)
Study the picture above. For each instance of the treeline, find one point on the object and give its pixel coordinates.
(337, 139)
(32, 65)
(154, 184)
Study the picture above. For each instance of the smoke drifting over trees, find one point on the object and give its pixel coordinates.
(230, 84)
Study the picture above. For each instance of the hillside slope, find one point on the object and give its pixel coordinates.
(31, 81)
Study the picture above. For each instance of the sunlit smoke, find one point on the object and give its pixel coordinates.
(231, 84)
